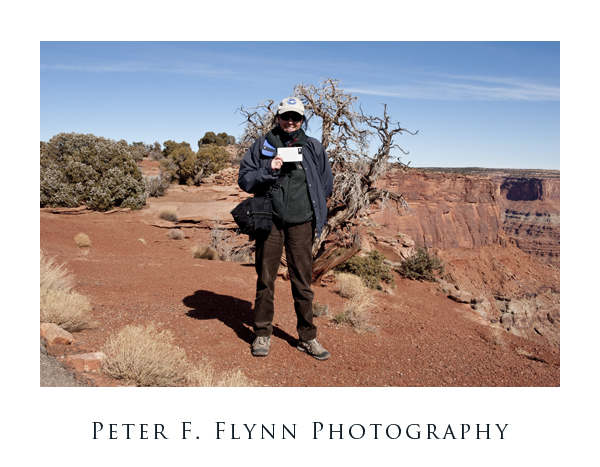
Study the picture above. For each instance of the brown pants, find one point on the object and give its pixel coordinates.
(297, 240)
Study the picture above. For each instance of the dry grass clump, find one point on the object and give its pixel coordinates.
(356, 313)
(169, 213)
(224, 243)
(350, 285)
(144, 356)
(204, 375)
(82, 240)
(157, 185)
(59, 303)
(205, 252)
(175, 234)
(497, 336)
(320, 309)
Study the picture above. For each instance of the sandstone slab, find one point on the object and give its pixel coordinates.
(86, 361)
(55, 335)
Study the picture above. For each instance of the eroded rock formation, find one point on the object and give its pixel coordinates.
(492, 232)
(531, 215)
(448, 210)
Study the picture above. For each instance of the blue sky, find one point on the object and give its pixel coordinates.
(484, 104)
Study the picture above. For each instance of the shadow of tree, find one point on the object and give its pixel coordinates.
(233, 312)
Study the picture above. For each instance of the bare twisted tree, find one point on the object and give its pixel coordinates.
(346, 136)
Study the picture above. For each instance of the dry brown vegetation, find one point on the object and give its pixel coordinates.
(145, 356)
(360, 299)
(175, 234)
(356, 313)
(205, 252)
(82, 240)
(59, 303)
(169, 213)
(350, 285)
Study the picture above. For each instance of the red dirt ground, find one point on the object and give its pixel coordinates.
(134, 274)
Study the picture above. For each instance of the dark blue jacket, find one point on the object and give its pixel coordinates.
(256, 175)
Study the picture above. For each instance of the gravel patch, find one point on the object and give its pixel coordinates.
(54, 374)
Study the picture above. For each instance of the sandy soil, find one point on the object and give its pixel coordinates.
(134, 274)
(422, 338)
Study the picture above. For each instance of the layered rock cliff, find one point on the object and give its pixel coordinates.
(457, 210)
(491, 233)
(531, 215)
(447, 210)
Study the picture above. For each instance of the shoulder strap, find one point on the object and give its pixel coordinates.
(275, 186)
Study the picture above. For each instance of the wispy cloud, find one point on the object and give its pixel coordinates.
(460, 87)
(182, 68)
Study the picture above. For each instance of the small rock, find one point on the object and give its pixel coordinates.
(85, 361)
(55, 335)
(461, 297)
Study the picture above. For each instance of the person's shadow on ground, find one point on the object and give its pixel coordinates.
(233, 312)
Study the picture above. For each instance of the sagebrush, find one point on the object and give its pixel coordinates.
(157, 185)
(422, 265)
(350, 285)
(147, 356)
(356, 313)
(184, 166)
(77, 169)
(370, 269)
(59, 302)
(169, 213)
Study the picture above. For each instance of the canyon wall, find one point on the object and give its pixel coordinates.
(446, 210)
(531, 215)
(499, 237)
(457, 210)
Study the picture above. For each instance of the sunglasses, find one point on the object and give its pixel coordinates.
(293, 115)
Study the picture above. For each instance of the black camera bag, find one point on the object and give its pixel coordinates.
(254, 216)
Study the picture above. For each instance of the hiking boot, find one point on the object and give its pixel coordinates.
(314, 349)
(261, 346)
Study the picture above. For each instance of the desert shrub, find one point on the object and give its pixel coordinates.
(139, 151)
(222, 139)
(370, 269)
(144, 356)
(53, 276)
(206, 376)
(69, 310)
(175, 234)
(168, 213)
(77, 169)
(320, 309)
(157, 185)
(155, 153)
(356, 313)
(223, 242)
(211, 159)
(59, 303)
(179, 163)
(243, 254)
(422, 265)
(350, 285)
(188, 167)
(82, 240)
(205, 252)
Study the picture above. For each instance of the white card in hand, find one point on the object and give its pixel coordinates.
(290, 154)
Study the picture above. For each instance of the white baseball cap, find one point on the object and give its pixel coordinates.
(291, 104)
